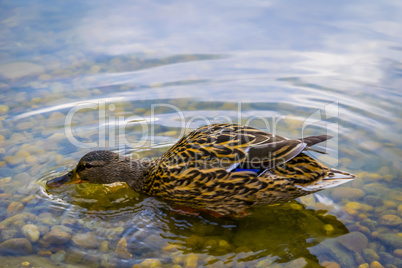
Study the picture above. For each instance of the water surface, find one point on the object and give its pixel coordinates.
(133, 77)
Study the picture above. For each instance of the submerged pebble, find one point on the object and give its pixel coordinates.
(3, 109)
(15, 70)
(121, 249)
(376, 264)
(8, 234)
(151, 263)
(17, 246)
(390, 220)
(331, 265)
(354, 241)
(370, 255)
(75, 257)
(57, 236)
(398, 253)
(31, 232)
(341, 193)
(87, 240)
(389, 259)
(390, 239)
(19, 217)
(44, 252)
(59, 256)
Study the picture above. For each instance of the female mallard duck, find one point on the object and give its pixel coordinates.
(221, 168)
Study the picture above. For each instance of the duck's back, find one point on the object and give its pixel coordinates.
(225, 168)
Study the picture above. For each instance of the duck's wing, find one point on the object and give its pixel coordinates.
(234, 147)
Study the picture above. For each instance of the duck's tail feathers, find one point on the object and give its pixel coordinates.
(334, 178)
(312, 140)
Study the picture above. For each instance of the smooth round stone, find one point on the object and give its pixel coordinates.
(19, 223)
(8, 234)
(398, 253)
(5, 196)
(171, 248)
(22, 176)
(19, 217)
(13, 160)
(390, 204)
(327, 264)
(3, 109)
(390, 220)
(370, 255)
(18, 137)
(400, 209)
(15, 70)
(391, 239)
(31, 232)
(108, 261)
(69, 221)
(17, 246)
(341, 193)
(300, 262)
(360, 228)
(87, 240)
(25, 125)
(364, 265)
(359, 206)
(354, 241)
(389, 259)
(57, 236)
(148, 263)
(376, 264)
(44, 253)
(14, 208)
(121, 249)
(373, 201)
(59, 256)
(154, 240)
(32, 159)
(75, 257)
(31, 199)
(43, 229)
(56, 117)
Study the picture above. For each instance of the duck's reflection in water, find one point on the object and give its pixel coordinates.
(282, 232)
(151, 230)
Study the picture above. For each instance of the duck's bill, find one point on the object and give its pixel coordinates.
(69, 178)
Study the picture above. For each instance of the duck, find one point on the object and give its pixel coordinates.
(223, 169)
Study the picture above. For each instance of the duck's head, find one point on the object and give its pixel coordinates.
(95, 167)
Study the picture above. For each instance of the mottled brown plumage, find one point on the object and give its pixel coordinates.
(220, 168)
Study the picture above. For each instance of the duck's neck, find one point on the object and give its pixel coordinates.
(133, 172)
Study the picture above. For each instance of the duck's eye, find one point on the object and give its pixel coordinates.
(88, 165)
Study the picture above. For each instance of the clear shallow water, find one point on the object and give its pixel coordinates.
(170, 67)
